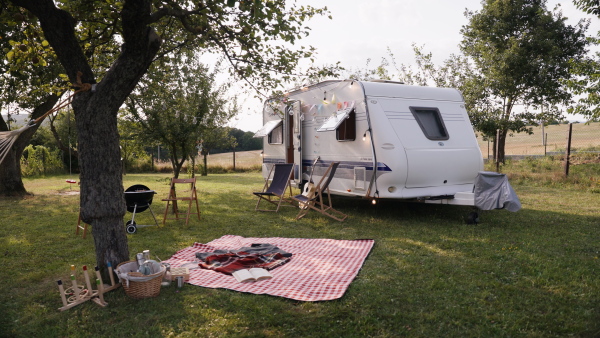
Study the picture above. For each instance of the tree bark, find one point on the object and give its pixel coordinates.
(11, 181)
(501, 145)
(102, 201)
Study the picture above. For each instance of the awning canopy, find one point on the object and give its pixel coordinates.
(267, 128)
(335, 120)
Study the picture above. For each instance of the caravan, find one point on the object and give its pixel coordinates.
(393, 141)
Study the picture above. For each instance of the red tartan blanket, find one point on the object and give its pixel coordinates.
(258, 255)
(320, 269)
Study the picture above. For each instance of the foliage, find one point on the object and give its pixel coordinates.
(588, 6)
(242, 140)
(29, 84)
(29, 70)
(214, 138)
(531, 273)
(522, 52)
(131, 141)
(181, 108)
(41, 161)
(586, 83)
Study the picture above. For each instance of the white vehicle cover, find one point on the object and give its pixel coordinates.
(492, 191)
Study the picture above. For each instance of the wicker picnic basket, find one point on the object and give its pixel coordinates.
(136, 284)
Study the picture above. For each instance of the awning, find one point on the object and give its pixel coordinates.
(334, 121)
(267, 128)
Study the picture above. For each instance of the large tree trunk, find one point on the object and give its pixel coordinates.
(11, 182)
(101, 199)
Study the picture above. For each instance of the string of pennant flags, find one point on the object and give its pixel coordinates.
(319, 109)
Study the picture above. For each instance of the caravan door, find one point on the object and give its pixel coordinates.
(293, 114)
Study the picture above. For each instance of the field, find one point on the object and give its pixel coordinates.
(584, 136)
(533, 273)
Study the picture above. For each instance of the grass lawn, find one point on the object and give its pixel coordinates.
(533, 273)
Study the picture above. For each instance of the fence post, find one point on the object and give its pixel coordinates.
(568, 151)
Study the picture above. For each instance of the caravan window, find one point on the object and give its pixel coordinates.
(347, 129)
(431, 123)
(276, 135)
(273, 130)
(344, 124)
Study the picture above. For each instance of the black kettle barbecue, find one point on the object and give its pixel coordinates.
(138, 198)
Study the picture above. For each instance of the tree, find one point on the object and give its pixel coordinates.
(214, 138)
(131, 140)
(586, 82)
(29, 81)
(522, 53)
(179, 107)
(242, 32)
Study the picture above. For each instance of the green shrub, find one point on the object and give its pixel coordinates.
(40, 161)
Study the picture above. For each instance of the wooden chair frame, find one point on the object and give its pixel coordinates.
(277, 187)
(315, 200)
(173, 198)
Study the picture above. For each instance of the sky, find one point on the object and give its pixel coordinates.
(362, 30)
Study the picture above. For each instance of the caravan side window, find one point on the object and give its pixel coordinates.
(431, 122)
(276, 135)
(346, 131)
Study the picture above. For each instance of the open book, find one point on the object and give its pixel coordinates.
(251, 275)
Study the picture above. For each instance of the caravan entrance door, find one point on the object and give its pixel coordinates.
(294, 139)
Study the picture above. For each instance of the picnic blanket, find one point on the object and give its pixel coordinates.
(320, 269)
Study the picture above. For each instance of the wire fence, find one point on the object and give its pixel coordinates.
(550, 142)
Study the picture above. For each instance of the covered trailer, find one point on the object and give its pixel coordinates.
(393, 141)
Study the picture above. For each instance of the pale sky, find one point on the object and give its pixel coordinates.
(365, 29)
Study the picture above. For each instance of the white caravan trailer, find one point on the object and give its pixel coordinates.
(393, 141)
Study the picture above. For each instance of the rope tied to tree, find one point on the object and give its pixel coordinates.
(8, 138)
(82, 88)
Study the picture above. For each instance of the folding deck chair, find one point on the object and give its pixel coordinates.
(173, 198)
(282, 174)
(314, 200)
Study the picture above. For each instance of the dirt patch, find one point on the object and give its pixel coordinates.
(67, 193)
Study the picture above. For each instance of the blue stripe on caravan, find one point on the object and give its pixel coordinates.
(349, 165)
(273, 160)
(343, 164)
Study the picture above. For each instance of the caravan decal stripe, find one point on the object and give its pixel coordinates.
(343, 164)
(349, 165)
(273, 160)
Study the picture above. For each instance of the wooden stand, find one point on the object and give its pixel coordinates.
(78, 294)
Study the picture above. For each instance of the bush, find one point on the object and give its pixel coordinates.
(40, 161)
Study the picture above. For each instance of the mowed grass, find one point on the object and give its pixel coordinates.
(533, 273)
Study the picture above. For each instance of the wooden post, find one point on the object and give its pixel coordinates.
(233, 158)
(568, 151)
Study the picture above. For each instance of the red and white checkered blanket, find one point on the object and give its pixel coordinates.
(320, 269)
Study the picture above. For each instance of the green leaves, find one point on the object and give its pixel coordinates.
(522, 55)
